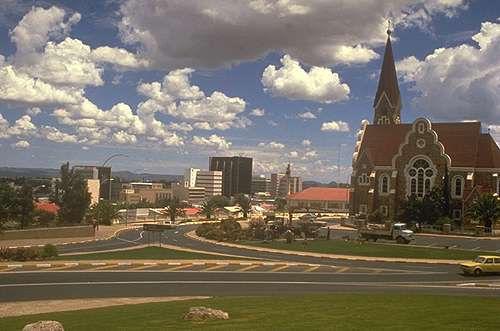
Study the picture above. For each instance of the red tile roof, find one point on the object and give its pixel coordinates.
(463, 142)
(47, 206)
(192, 211)
(322, 194)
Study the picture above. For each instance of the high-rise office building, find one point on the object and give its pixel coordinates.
(261, 184)
(236, 174)
(211, 181)
(103, 174)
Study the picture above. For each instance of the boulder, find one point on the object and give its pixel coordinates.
(44, 326)
(205, 314)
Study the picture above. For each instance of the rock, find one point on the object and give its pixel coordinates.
(205, 314)
(44, 326)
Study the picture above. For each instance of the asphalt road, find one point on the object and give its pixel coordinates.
(71, 285)
(379, 276)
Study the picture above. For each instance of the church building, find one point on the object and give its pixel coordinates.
(393, 160)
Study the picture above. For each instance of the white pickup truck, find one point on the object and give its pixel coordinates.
(398, 232)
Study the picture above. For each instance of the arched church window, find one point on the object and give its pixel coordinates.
(384, 184)
(458, 187)
(421, 176)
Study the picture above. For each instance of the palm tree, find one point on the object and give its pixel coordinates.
(244, 203)
(174, 209)
(208, 209)
(486, 209)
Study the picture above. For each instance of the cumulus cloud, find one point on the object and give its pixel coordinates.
(257, 112)
(22, 144)
(176, 97)
(212, 141)
(122, 138)
(293, 154)
(53, 134)
(293, 82)
(306, 115)
(335, 126)
(219, 33)
(459, 83)
(271, 145)
(186, 127)
(33, 111)
(306, 143)
(23, 127)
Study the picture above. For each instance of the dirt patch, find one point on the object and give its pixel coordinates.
(50, 306)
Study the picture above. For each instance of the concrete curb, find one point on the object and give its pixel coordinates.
(109, 237)
(193, 235)
(151, 263)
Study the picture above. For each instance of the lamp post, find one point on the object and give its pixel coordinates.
(109, 177)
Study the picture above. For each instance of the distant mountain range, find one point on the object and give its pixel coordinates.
(127, 176)
(312, 183)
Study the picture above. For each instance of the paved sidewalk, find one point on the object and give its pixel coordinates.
(104, 232)
(51, 306)
(193, 235)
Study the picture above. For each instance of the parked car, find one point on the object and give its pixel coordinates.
(481, 265)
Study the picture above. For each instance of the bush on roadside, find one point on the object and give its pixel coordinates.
(48, 251)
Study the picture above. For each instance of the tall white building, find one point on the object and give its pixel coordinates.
(190, 177)
(211, 181)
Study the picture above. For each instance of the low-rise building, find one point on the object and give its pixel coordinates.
(320, 199)
(261, 184)
(148, 192)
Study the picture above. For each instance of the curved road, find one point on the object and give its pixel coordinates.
(361, 276)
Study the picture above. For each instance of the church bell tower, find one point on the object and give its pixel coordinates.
(387, 103)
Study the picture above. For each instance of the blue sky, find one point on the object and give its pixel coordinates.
(170, 83)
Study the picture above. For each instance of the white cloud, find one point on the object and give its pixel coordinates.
(306, 142)
(272, 123)
(335, 126)
(310, 155)
(293, 154)
(293, 82)
(53, 134)
(22, 144)
(186, 127)
(176, 97)
(33, 111)
(257, 112)
(459, 83)
(118, 56)
(212, 141)
(271, 145)
(23, 127)
(214, 33)
(122, 138)
(306, 115)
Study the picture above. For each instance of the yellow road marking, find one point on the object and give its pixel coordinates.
(343, 269)
(63, 266)
(179, 267)
(250, 267)
(104, 267)
(311, 269)
(216, 267)
(279, 268)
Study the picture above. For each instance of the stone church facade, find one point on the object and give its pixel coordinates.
(393, 160)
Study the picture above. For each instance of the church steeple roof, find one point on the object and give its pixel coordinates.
(388, 81)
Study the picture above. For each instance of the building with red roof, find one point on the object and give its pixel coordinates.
(320, 199)
(48, 207)
(394, 160)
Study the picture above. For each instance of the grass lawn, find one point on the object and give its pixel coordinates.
(311, 312)
(146, 253)
(342, 247)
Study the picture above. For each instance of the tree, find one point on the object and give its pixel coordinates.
(7, 202)
(24, 206)
(426, 210)
(486, 209)
(280, 204)
(174, 209)
(72, 196)
(208, 209)
(105, 212)
(245, 204)
(220, 201)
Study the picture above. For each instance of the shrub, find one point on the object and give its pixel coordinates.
(444, 220)
(204, 228)
(44, 218)
(376, 217)
(48, 251)
(25, 254)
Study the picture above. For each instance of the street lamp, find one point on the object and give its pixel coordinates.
(109, 178)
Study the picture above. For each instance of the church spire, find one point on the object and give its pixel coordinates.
(387, 103)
